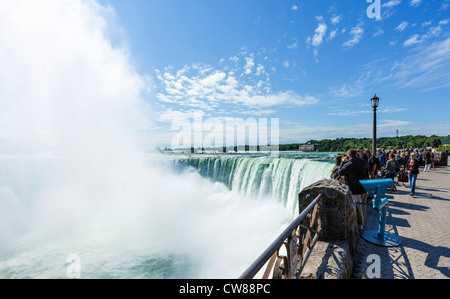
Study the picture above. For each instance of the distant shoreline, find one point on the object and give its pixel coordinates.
(344, 144)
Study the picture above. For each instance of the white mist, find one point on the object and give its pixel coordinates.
(73, 180)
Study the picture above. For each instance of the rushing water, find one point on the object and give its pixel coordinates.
(258, 176)
(191, 216)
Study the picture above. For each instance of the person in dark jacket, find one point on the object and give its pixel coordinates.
(402, 160)
(374, 166)
(413, 171)
(355, 169)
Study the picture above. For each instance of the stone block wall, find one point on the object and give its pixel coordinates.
(332, 257)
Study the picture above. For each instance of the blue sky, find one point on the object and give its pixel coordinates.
(314, 65)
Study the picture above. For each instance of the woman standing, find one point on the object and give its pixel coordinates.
(413, 172)
(427, 158)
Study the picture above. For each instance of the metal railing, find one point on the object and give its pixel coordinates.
(299, 240)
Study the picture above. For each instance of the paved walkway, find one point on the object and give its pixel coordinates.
(423, 224)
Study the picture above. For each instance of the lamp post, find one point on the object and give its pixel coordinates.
(375, 101)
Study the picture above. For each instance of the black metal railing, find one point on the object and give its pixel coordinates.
(299, 240)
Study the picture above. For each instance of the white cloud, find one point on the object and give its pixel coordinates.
(428, 68)
(316, 54)
(433, 32)
(415, 3)
(294, 7)
(201, 87)
(249, 66)
(412, 41)
(357, 33)
(320, 32)
(353, 89)
(424, 70)
(332, 34)
(347, 112)
(212, 80)
(445, 5)
(392, 3)
(293, 46)
(402, 26)
(260, 70)
(234, 58)
(379, 32)
(336, 19)
(444, 22)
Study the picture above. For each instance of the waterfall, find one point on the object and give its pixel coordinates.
(280, 179)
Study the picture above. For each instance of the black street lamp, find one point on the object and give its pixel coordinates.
(375, 101)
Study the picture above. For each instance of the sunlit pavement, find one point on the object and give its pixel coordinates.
(423, 225)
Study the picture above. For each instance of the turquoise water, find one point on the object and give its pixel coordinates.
(165, 216)
(279, 178)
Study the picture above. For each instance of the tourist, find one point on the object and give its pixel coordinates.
(362, 154)
(381, 157)
(374, 165)
(337, 163)
(427, 158)
(432, 158)
(354, 169)
(392, 167)
(413, 171)
(402, 177)
(418, 156)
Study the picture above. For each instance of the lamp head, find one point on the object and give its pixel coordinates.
(375, 101)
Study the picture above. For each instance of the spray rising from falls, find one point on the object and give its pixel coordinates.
(74, 181)
(280, 179)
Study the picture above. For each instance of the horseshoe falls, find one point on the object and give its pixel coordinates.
(262, 177)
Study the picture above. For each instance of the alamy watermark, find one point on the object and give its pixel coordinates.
(374, 10)
(374, 268)
(226, 134)
(74, 268)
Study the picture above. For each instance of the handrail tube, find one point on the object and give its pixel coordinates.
(267, 254)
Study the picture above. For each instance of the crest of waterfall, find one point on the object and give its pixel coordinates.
(280, 179)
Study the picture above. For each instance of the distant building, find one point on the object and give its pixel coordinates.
(309, 147)
(445, 141)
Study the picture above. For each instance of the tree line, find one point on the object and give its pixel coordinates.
(344, 144)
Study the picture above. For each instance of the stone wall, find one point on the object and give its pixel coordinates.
(332, 257)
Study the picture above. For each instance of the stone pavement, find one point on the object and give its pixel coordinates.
(423, 224)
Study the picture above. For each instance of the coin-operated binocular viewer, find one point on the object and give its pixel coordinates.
(379, 188)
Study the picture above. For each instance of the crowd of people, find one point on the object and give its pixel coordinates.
(403, 166)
